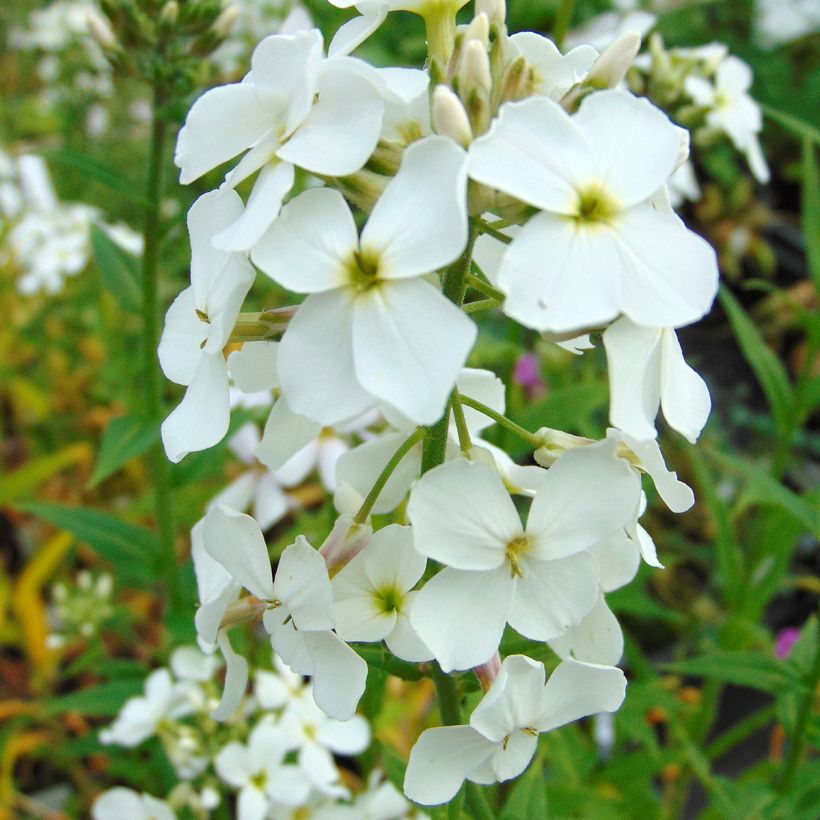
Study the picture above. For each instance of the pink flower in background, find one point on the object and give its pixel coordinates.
(527, 373)
(785, 640)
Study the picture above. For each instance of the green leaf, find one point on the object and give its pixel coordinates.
(112, 178)
(761, 358)
(810, 214)
(753, 670)
(125, 438)
(119, 270)
(133, 550)
(381, 661)
(104, 700)
(528, 798)
(792, 124)
(22, 482)
(763, 489)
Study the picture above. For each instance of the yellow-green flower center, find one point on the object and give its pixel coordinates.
(362, 270)
(517, 548)
(594, 206)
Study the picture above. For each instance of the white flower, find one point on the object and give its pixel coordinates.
(197, 327)
(121, 803)
(140, 717)
(732, 110)
(683, 185)
(258, 771)
(503, 732)
(298, 606)
(598, 247)
(647, 371)
(552, 73)
(372, 593)
(372, 329)
(538, 579)
(294, 108)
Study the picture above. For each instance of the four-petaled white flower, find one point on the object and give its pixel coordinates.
(503, 732)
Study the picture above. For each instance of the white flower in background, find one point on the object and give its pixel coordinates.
(609, 250)
(140, 717)
(605, 29)
(294, 108)
(732, 110)
(373, 595)
(372, 329)
(281, 690)
(538, 579)
(683, 185)
(502, 736)
(189, 663)
(259, 772)
(552, 73)
(121, 803)
(298, 607)
(382, 801)
(361, 466)
(197, 327)
(647, 371)
(782, 21)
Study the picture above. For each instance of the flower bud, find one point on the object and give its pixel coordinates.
(449, 117)
(474, 71)
(346, 540)
(611, 67)
(515, 81)
(478, 30)
(555, 443)
(100, 31)
(347, 499)
(225, 21)
(169, 14)
(496, 10)
(488, 672)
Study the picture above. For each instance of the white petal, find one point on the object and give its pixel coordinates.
(345, 737)
(534, 152)
(685, 399)
(285, 434)
(302, 584)
(220, 124)
(307, 248)
(635, 145)
(440, 762)
(460, 615)
(419, 223)
(463, 516)
(404, 641)
(316, 361)
(633, 355)
(483, 386)
(389, 558)
(202, 417)
(553, 595)
(412, 370)
(271, 504)
(559, 276)
(597, 639)
(253, 803)
(361, 618)
(342, 129)
(509, 762)
(554, 73)
(297, 468)
(585, 495)
(235, 540)
(271, 187)
(618, 560)
(577, 689)
(180, 347)
(670, 274)
(239, 494)
(331, 449)
(253, 368)
(339, 674)
(354, 32)
(236, 679)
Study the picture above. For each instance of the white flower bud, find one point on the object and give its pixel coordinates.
(474, 72)
(346, 540)
(496, 10)
(449, 117)
(347, 499)
(555, 443)
(225, 21)
(611, 67)
(478, 30)
(101, 32)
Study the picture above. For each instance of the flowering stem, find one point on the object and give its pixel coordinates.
(562, 21)
(482, 304)
(531, 439)
(484, 287)
(261, 327)
(464, 440)
(154, 410)
(484, 227)
(416, 436)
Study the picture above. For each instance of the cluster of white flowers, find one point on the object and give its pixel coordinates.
(506, 171)
(43, 239)
(80, 608)
(274, 757)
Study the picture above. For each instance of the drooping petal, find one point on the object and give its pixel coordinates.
(307, 248)
(339, 674)
(597, 639)
(461, 615)
(575, 690)
(253, 368)
(510, 760)
(685, 399)
(552, 596)
(316, 368)
(180, 347)
(535, 152)
(669, 275)
(353, 33)
(202, 417)
(235, 540)
(419, 223)
(441, 760)
(302, 584)
(221, 123)
(236, 679)
(342, 128)
(585, 495)
(285, 434)
(462, 516)
(412, 370)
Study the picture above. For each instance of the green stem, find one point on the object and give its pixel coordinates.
(477, 802)
(531, 439)
(563, 19)
(464, 440)
(798, 739)
(372, 497)
(484, 287)
(448, 704)
(737, 734)
(154, 410)
(482, 304)
(490, 231)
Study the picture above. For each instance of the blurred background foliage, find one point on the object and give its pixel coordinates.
(722, 646)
